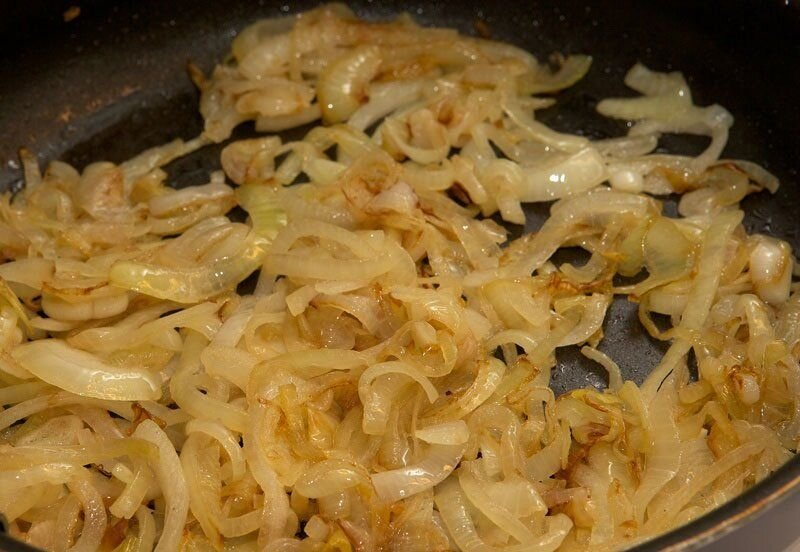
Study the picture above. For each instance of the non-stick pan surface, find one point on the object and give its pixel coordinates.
(111, 81)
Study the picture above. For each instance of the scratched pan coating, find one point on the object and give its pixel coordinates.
(112, 82)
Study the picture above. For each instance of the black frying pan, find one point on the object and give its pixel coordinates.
(111, 82)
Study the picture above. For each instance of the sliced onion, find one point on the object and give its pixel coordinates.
(476, 493)
(200, 466)
(291, 265)
(376, 394)
(94, 515)
(103, 302)
(541, 133)
(342, 85)
(129, 500)
(388, 381)
(490, 372)
(453, 509)
(615, 380)
(270, 54)
(261, 204)
(32, 272)
(384, 98)
(275, 514)
(571, 70)
(185, 197)
(279, 123)
(701, 297)
(84, 374)
(329, 477)
(186, 393)
(594, 312)
(225, 438)
(439, 462)
(172, 483)
(771, 264)
(188, 285)
(664, 458)
(580, 172)
(756, 172)
(447, 433)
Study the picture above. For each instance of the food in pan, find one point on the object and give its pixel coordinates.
(333, 345)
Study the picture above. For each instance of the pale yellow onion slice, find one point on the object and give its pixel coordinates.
(571, 71)
(329, 477)
(541, 133)
(138, 481)
(203, 478)
(188, 285)
(270, 54)
(771, 264)
(615, 379)
(278, 123)
(342, 85)
(755, 172)
(384, 98)
(376, 394)
(664, 455)
(261, 203)
(31, 271)
(489, 374)
(453, 508)
(181, 199)
(172, 483)
(293, 265)
(8, 295)
(440, 461)
(577, 173)
(701, 297)
(95, 519)
(254, 34)
(79, 305)
(475, 491)
(84, 374)
(447, 433)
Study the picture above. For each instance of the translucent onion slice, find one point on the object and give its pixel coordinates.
(447, 433)
(32, 272)
(82, 305)
(94, 513)
(172, 483)
(341, 88)
(76, 455)
(261, 203)
(138, 484)
(329, 477)
(572, 69)
(84, 374)
(440, 461)
(301, 266)
(475, 491)
(453, 507)
(579, 172)
(173, 201)
(771, 264)
(256, 41)
(188, 285)
(664, 457)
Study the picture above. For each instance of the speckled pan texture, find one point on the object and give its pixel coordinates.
(112, 81)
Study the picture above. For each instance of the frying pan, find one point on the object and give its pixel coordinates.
(111, 82)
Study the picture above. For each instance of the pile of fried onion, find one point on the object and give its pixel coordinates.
(381, 381)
